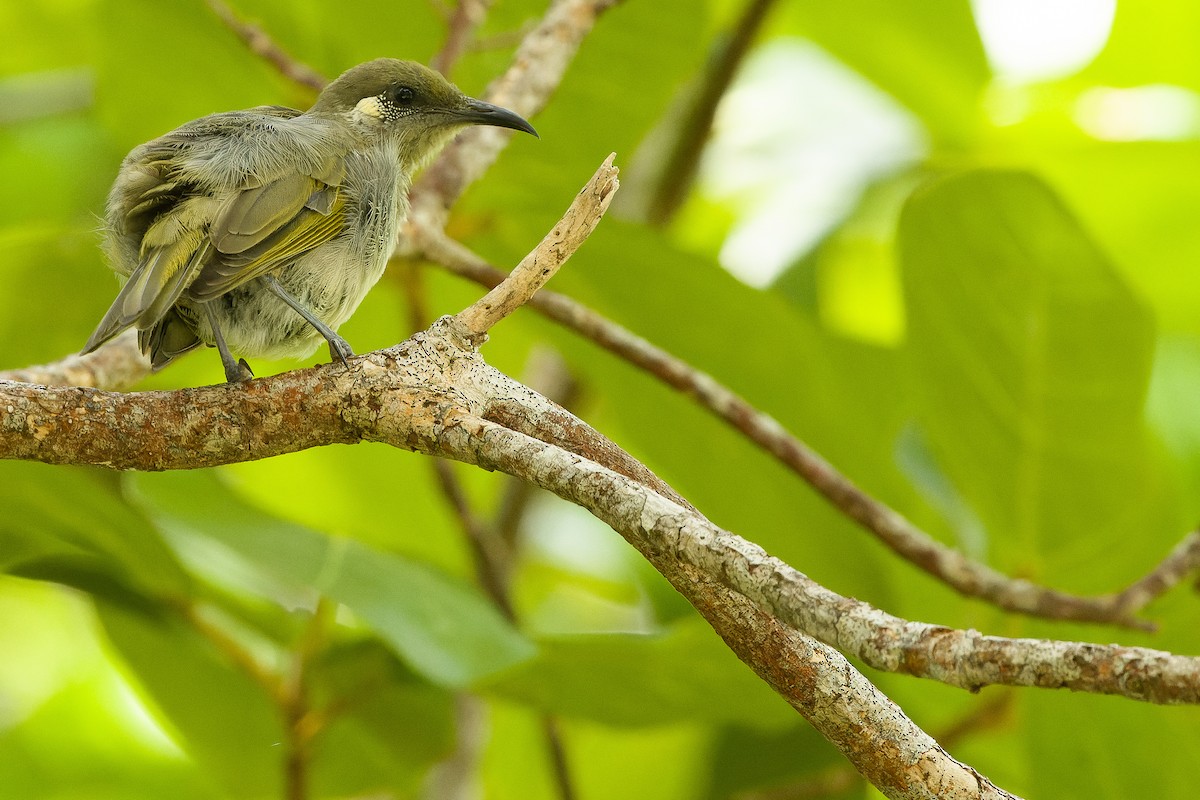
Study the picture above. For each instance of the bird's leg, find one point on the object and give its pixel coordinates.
(339, 348)
(235, 371)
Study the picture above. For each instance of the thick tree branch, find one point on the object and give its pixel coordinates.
(674, 538)
(117, 365)
(963, 574)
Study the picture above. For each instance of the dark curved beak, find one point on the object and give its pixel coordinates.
(478, 112)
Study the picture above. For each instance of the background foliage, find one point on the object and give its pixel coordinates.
(995, 331)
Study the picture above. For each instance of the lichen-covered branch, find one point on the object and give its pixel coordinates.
(544, 260)
(948, 565)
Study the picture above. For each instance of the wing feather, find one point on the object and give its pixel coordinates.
(176, 225)
(305, 231)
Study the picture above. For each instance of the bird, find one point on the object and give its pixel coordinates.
(259, 232)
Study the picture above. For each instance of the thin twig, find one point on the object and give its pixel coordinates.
(961, 573)
(263, 46)
(233, 651)
(467, 17)
(678, 170)
(300, 725)
(544, 260)
(1182, 561)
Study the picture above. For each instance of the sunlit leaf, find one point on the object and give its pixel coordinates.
(445, 630)
(1031, 361)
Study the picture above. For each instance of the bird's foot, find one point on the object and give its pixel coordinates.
(239, 372)
(339, 349)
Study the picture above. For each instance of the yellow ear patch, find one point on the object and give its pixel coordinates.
(370, 107)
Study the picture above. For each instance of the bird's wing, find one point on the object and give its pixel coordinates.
(164, 221)
(154, 286)
(261, 229)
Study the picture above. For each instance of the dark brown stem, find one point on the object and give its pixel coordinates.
(557, 749)
(679, 168)
(487, 551)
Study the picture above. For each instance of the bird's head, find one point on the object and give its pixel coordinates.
(411, 103)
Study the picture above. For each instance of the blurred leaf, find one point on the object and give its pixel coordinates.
(748, 760)
(76, 515)
(445, 630)
(1137, 198)
(86, 573)
(38, 322)
(110, 758)
(1173, 412)
(659, 763)
(388, 727)
(1031, 362)
(301, 28)
(210, 69)
(1150, 42)
(638, 680)
(925, 53)
(1070, 740)
(224, 720)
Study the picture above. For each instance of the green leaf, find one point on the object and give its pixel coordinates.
(224, 720)
(391, 725)
(77, 516)
(937, 69)
(445, 630)
(1031, 360)
(1137, 199)
(1150, 43)
(1071, 739)
(638, 680)
(82, 744)
(753, 761)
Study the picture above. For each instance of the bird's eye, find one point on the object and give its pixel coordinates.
(402, 96)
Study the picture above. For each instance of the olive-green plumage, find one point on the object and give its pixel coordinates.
(260, 231)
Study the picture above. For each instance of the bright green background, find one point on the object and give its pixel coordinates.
(1035, 406)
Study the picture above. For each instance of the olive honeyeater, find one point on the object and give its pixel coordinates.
(259, 232)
